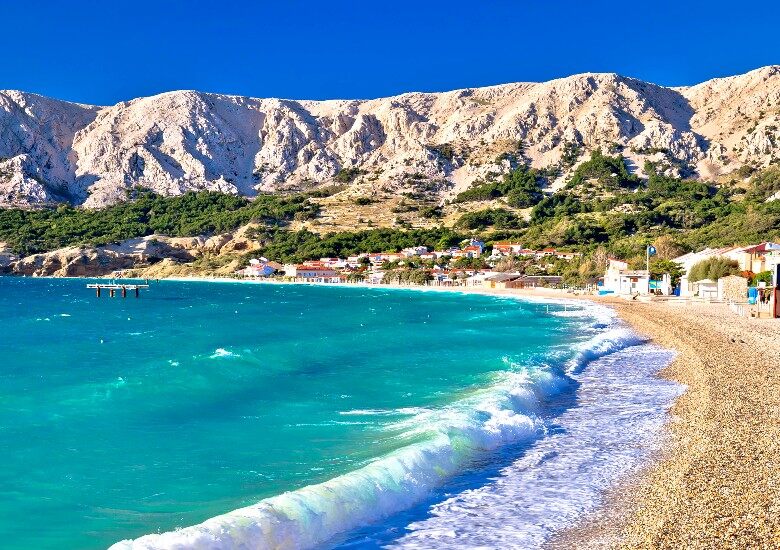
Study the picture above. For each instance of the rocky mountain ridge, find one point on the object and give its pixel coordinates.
(53, 151)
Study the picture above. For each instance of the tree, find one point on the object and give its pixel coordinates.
(660, 266)
(667, 247)
(713, 269)
(500, 218)
(521, 187)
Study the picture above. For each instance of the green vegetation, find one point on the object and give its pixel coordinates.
(32, 231)
(696, 213)
(713, 269)
(763, 277)
(521, 187)
(296, 246)
(407, 276)
(610, 172)
(500, 218)
(570, 154)
(362, 201)
(659, 267)
(765, 184)
(431, 212)
(674, 214)
(347, 175)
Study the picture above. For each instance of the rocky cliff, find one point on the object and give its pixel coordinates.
(150, 256)
(54, 151)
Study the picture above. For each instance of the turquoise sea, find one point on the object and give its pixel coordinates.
(337, 416)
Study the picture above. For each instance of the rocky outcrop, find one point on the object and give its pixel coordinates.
(71, 262)
(179, 141)
(142, 252)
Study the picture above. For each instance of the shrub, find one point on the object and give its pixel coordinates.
(499, 218)
(193, 213)
(347, 175)
(713, 269)
(609, 171)
(521, 187)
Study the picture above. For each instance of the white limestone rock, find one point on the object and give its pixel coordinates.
(53, 151)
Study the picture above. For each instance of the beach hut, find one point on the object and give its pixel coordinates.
(706, 288)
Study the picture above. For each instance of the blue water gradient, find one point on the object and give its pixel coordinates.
(122, 417)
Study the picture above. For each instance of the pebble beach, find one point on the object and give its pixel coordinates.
(718, 484)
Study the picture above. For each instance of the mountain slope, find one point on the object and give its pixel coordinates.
(178, 141)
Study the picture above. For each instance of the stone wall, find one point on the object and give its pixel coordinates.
(733, 288)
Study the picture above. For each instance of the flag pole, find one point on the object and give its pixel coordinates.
(647, 259)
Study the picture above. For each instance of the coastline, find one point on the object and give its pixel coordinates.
(716, 481)
(500, 413)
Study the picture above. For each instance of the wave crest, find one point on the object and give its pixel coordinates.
(506, 412)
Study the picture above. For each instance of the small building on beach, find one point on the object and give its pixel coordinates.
(618, 279)
(706, 288)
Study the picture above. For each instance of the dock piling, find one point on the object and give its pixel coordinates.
(112, 288)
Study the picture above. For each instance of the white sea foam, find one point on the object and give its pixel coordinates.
(222, 352)
(445, 439)
(615, 427)
(611, 340)
(384, 412)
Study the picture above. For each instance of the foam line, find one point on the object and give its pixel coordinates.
(447, 439)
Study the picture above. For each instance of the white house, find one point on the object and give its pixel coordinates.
(414, 251)
(618, 279)
(259, 268)
(313, 272)
(336, 263)
(476, 243)
(506, 248)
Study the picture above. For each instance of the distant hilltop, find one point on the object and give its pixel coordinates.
(54, 151)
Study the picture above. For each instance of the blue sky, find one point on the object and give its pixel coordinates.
(109, 51)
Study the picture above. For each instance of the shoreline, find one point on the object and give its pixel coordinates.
(605, 525)
(715, 482)
(502, 426)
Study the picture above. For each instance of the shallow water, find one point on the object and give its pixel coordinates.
(126, 417)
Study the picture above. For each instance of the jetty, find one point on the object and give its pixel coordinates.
(112, 288)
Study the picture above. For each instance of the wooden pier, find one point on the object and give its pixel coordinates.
(112, 288)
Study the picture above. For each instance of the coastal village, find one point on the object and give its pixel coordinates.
(749, 284)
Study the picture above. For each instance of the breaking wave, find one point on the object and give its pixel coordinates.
(443, 441)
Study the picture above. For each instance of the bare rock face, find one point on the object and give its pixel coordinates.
(131, 253)
(53, 151)
(102, 260)
(37, 163)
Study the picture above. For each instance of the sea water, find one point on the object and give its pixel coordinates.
(210, 415)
